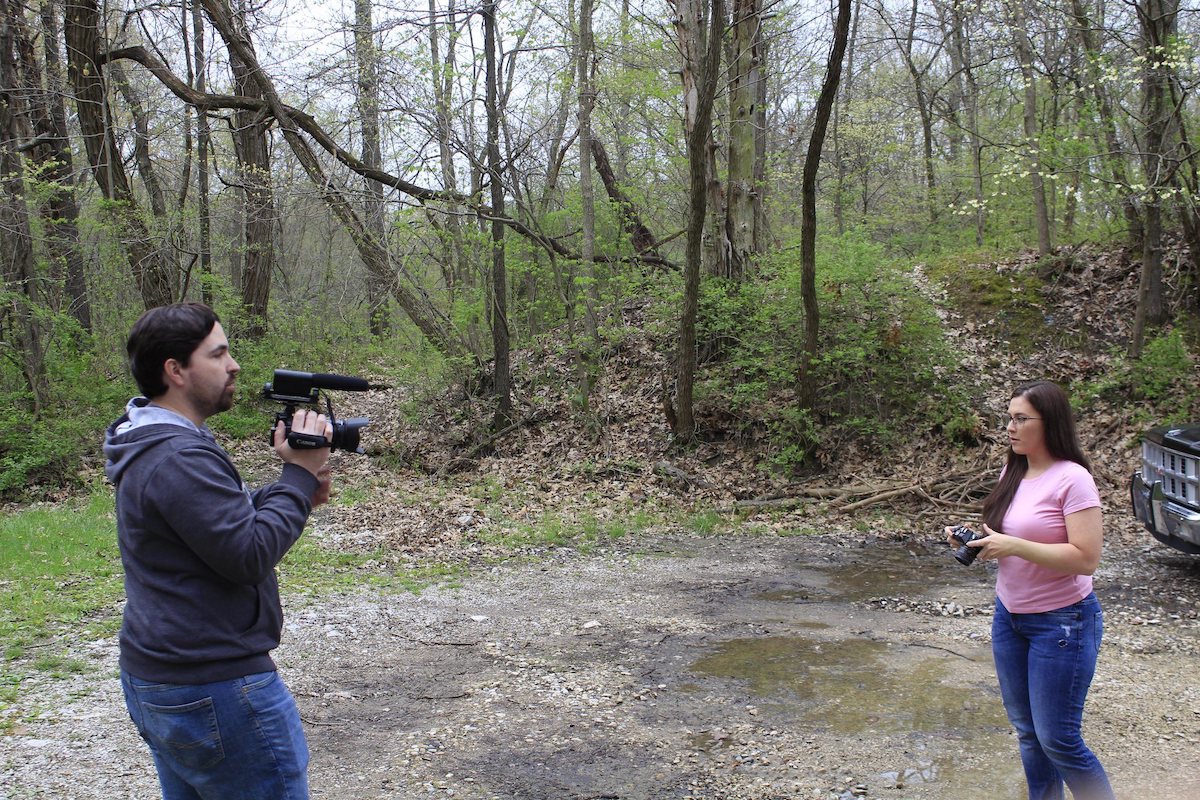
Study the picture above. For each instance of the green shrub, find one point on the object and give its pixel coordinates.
(86, 392)
(89, 385)
(1165, 366)
(1162, 381)
(883, 366)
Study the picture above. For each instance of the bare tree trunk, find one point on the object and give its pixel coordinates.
(141, 140)
(435, 326)
(701, 70)
(956, 93)
(840, 112)
(55, 162)
(167, 233)
(557, 147)
(500, 338)
(745, 69)
(1024, 52)
(640, 235)
(82, 34)
(367, 56)
(252, 143)
(716, 251)
(904, 42)
(1100, 96)
(1157, 21)
(960, 55)
(203, 144)
(587, 356)
(1189, 179)
(761, 234)
(806, 384)
(20, 280)
(459, 270)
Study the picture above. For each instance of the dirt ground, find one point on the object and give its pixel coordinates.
(673, 666)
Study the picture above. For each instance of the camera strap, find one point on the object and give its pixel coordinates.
(306, 441)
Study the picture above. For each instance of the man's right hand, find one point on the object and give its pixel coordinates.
(310, 422)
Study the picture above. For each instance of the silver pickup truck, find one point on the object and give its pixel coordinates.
(1166, 492)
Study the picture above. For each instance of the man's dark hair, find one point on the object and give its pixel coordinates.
(163, 333)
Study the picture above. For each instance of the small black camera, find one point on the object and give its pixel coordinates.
(293, 388)
(962, 534)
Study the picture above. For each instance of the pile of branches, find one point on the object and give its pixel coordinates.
(958, 492)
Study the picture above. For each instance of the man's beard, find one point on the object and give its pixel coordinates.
(210, 406)
(225, 401)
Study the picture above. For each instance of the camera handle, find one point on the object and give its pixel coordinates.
(303, 441)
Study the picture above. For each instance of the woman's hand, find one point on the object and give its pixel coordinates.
(994, 544)
(1079, 555)
(950, 540)
(990, 545)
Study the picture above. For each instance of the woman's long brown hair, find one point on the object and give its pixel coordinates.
(1062, 440)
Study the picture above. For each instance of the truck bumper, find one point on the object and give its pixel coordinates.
(1172, 524)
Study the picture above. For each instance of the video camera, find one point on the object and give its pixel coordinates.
(293, 388)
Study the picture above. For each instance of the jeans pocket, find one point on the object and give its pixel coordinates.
(258, 680)
(186, 733)
(277, 718)
(1071, 615)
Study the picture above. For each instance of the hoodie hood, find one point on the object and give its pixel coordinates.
(143, 427)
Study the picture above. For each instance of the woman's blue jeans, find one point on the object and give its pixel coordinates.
(1045, 663)
(233, 740)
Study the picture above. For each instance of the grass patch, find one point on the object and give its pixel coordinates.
(59, 569)
(584, 530)
(308, 568)
(706, 523)
(548, 530)
(59, 566)
(351, 496)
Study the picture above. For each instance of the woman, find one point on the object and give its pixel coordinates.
(1043, 525)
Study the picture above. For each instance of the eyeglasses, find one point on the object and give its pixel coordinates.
(1018, 421)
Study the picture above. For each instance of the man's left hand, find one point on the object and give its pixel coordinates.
(325, 482)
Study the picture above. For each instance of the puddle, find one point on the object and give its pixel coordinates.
(883, 570)
(787, 595)
(855, 685)
(889, 570)
(998, 782)
(859, 685)
(862, 687)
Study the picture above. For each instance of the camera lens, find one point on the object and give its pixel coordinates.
(346, 434)
(965, 555)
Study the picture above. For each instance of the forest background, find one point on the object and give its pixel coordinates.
(482, 204)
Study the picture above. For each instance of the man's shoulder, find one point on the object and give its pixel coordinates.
(172, 442)
(169, 435)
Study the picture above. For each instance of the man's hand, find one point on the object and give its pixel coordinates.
(325, 482)
(310, 422)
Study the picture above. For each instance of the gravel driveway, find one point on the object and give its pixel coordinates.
(673, 666)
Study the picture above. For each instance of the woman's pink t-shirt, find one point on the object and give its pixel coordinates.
(1038, 513)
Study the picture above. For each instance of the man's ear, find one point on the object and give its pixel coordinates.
(173, 373)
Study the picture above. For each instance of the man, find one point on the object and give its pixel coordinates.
(199, 552)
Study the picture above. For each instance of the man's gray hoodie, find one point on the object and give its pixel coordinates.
(199, 550)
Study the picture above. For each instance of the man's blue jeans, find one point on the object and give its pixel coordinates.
(1045, 663)
(233, 740)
